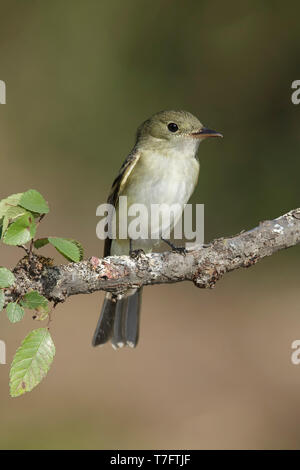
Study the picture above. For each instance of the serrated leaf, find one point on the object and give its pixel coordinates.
(40, 242)
(14, 312)
(80, 248)
(2, 300)
(12, 214)
(21, 231)
(34, 201)
(31, 362)
(70, 249)
(33, 300)
(7, 203)
(7, 278)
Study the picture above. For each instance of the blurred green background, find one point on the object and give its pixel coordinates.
(213, 368)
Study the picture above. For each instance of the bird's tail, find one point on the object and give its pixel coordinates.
(119, 320)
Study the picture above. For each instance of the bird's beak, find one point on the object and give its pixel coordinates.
(205, 132)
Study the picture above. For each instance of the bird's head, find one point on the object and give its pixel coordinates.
(176, 130)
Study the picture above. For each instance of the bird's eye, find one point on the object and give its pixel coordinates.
(172, 127)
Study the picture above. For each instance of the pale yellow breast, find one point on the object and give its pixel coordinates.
(159, 179)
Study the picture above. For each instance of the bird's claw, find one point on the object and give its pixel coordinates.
(179, 249)
(136, 253)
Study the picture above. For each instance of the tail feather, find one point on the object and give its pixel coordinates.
(132, 319)
(105, 325)
(118, 339)
(119, 321)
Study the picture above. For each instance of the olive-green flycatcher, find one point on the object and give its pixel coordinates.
(162, 168)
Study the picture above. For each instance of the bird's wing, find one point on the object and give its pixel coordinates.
(118, 186)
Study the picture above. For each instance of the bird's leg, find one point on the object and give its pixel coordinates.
(176, 249)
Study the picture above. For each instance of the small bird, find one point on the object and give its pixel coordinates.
(162, 168)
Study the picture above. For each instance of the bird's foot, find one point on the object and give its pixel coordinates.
(179, 249)
(136, 253)
(176, 249)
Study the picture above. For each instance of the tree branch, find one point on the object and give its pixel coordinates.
(202, 265)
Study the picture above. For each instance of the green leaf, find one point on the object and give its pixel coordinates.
(14, 312)
(32, 361)
(70, 249)
(7, 278)
(12, 213)
(34, 201)
(7, 203)
(40, 242)
(21, 231)
(2, 300)
(33, 300)
(80, 248)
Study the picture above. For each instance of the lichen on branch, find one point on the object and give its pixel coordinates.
(203, 265)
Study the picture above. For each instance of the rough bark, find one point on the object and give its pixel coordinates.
(202, 265)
